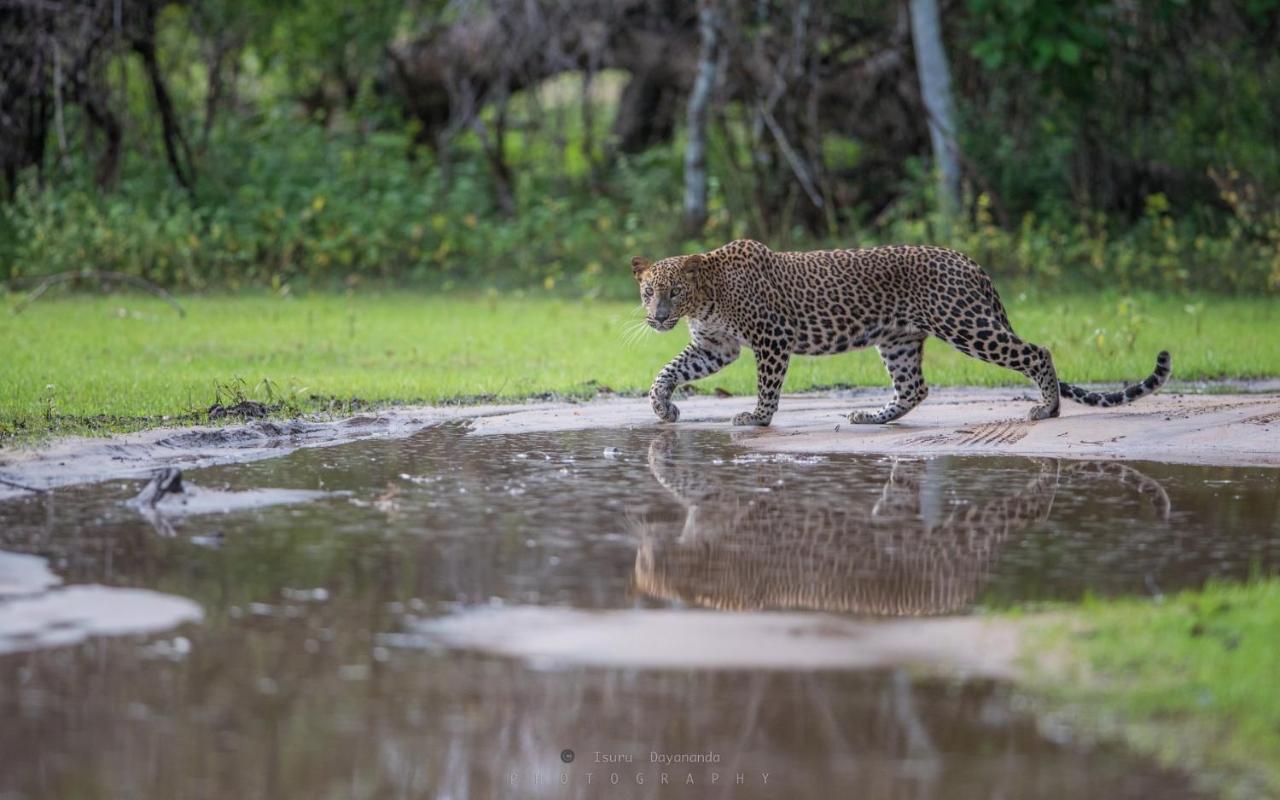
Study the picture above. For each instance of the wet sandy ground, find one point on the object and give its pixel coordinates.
(1213, 429)
(1222, 429)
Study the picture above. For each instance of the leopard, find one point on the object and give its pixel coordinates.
(823, 302)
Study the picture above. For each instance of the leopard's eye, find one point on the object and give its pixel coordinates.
(677, 293)
(647, 292)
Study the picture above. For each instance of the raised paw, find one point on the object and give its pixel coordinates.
(1043, 412)
(751, 418)
(666, 410)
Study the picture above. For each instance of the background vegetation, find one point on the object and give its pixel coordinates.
(216, 143)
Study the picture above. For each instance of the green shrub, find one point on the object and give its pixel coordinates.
(305, 206)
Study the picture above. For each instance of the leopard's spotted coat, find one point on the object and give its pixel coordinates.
(831, 301)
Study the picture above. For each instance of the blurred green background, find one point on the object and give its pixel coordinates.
(539, 145)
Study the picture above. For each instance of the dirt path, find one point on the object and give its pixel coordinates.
(1241, 430)
(1225, 429)
(87, 460)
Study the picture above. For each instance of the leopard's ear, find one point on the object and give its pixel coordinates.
(638, 267)
(693, 263)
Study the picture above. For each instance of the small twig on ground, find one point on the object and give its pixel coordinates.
(101, 275)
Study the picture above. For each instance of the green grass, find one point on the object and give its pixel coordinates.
(77, 363)
(1192, 680)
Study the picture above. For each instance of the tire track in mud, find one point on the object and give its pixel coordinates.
(990, 434)
(1187, 412)
(994, 433)
(1269, 418)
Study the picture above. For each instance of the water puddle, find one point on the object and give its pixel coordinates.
(445, 615)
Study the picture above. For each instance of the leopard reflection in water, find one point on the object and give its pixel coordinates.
(907, 553)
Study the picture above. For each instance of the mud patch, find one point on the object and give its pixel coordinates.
(256, 434)
(245, 409)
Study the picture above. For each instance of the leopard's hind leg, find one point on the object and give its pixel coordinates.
(963, 308)
(991, 339)
(903, 357)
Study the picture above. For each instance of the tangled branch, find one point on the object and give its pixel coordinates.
(103, 276)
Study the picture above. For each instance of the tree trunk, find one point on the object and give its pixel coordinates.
(175, 144)
(214, 64)
(646, 113)
(935, 90)
(102, 118)
(695, 152)
(495, 150)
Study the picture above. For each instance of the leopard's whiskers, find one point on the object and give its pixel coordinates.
(633, 329)
(635, 332)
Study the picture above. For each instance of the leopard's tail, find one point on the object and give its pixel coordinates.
(1128, 394)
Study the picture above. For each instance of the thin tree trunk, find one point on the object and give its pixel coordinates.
(495, 149)
(589, 122)
(935, 90)
(695, 153)
(108, 171)
(219, 50)
(58, 122)
(175, 144)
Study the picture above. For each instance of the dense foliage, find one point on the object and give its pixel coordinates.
(1103, 145)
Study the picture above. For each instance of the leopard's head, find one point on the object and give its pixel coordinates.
(669, 289)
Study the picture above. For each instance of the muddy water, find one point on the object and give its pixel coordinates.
(308, 662)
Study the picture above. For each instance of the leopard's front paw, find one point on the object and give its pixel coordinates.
(865, 418)
(665, 409)
(754, 418)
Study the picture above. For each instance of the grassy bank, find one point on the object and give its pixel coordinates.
(1191, 679)
(76, 364)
